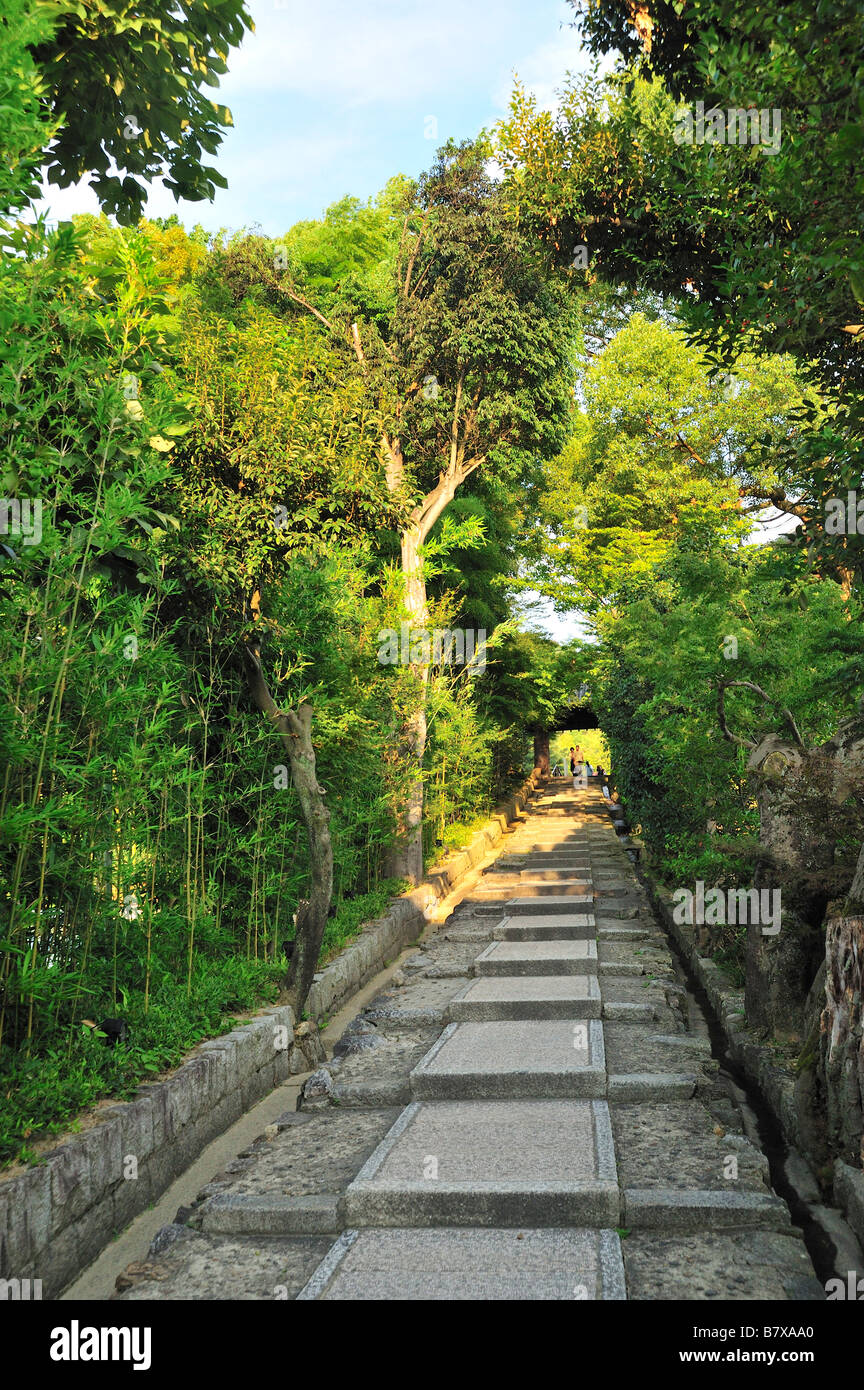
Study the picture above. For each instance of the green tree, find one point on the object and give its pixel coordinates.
(662, 447)
(762, 251)
(122, 83)
(23, 127)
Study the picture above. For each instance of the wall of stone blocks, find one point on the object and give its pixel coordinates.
(779, 1090)
(57, 1216)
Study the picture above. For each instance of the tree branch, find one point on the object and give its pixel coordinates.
(777, 497)
(310, 308)
(721, 719)
(679, 442)
(757, 689)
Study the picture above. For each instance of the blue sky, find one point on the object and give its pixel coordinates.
(333, 96)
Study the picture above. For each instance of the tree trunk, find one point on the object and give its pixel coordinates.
(541, 751)
(405, 857)
(295, 730)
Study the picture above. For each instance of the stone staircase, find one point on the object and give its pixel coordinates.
(523, 1114)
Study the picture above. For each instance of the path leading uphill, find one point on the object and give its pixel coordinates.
(565, 1136)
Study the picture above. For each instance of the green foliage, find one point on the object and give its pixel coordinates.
(761, 251)
(23, 128)
(750, 614)
(43, 1094)
(204, 474)
(347, 258)
(125, 86)
(354, 912)
(662, 450)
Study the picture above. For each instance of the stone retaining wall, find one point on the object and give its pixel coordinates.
(779, 1090)
(56, 1217)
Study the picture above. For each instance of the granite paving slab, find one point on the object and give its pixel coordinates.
(527, 996)
(537, 958)
(491, 1163)
(514, 1060)
(471, 1265)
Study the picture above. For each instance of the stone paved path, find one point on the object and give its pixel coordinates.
(522, 1114)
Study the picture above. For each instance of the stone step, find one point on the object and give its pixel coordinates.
(652, 1086)
(557, 842)
(624, 1011)
(613, 932)
(272, 1215)
(575, 845)
(551, 858)
(578, 926)
(563, 902)
(535, 1058)
(528, 996)
(516, 863)
(530, 849)
(534, 888)
(465, 1264)
(537, 958)
(541, 868)
(464, 936)
(695, 1209)
(564, 874)
(491, 1163)
(501, 877)
(552, 840)
(529, 907)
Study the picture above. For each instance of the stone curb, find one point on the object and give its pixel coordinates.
(756, 1061)
(59, 1215)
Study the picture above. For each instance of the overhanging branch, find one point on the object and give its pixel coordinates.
(723, 686)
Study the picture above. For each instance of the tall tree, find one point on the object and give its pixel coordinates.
(465, 357)
(661, 448)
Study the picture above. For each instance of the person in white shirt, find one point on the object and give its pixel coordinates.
(576, 764)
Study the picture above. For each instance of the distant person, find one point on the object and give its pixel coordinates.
(576, 763)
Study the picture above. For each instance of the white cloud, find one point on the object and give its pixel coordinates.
(544, 70)
(360, 54)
